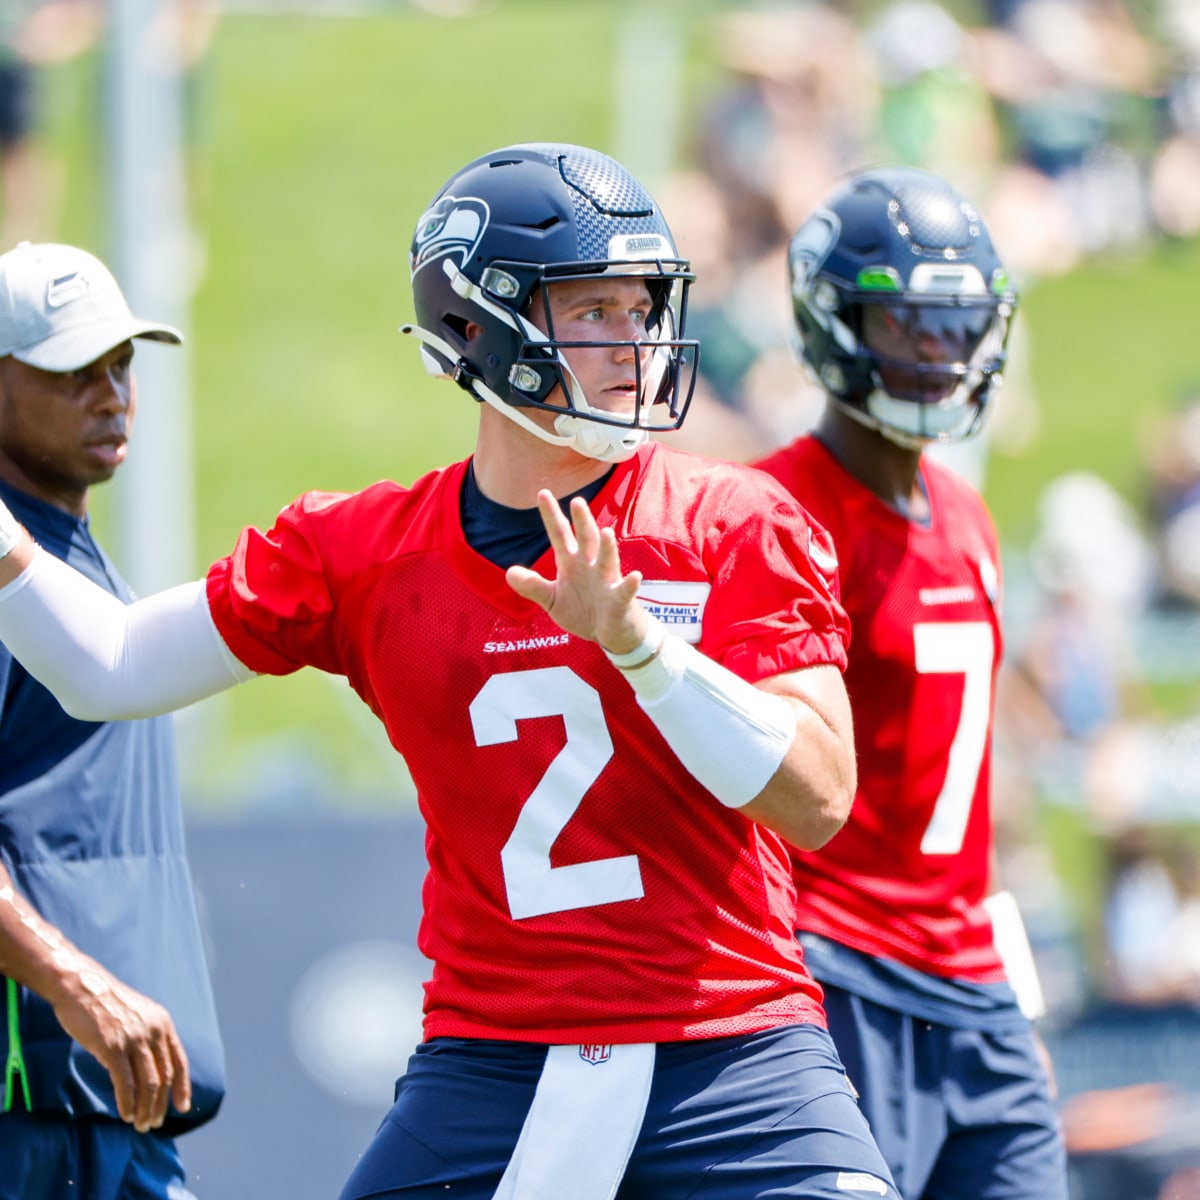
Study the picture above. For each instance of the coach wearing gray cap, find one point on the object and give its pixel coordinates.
(109, 1040)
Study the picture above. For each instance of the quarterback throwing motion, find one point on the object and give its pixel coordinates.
(615, 674)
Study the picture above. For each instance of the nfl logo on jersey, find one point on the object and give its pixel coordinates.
(595, 1054)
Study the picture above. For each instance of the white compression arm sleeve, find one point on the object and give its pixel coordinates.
(729, 734)
(107, 661)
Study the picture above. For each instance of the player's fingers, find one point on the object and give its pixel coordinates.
(627, 589)
(165, 1061)
(530, 585)
(587, 532)
(608, 556)
(558, 529)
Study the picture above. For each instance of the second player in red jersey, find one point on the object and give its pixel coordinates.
(902, 311)
(907, 876)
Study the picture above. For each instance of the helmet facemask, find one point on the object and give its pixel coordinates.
(931, 364)
(902, 309)
(663, 365)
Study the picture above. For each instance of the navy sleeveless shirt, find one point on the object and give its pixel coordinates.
(91, 830)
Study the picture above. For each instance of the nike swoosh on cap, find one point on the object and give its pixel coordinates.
(66, 288)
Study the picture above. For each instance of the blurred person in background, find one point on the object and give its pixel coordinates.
(902, 310)
(1073, 82)
(581, 641)
(1093, 572)
(1175, 172)
(110, 1041)
(934, 112)
(1151, 918)
(734, 341)
(1173, 470)
(1132, 1116)
(34, 34)
(1134, 1143)
(1104, 625)
(796, 110)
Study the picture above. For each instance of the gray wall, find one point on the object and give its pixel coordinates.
(311, 926)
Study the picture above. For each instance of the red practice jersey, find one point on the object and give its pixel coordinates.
(582, 886)
(905, 877)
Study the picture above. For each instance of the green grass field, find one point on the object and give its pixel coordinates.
(318, 143)
(1111, 352)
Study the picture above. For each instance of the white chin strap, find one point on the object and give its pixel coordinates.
(608, 443)
(913, 425)
(597, 439)
(592, 439)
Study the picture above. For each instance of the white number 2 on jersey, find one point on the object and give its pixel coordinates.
(534, 887)
(964, 648)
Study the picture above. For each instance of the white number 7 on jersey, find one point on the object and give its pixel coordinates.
(958, 648)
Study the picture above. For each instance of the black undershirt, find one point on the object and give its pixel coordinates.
(510, 536)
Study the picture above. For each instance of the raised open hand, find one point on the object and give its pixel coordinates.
(589, 596)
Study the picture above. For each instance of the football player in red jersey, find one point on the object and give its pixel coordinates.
(902, 312)
(614, 671)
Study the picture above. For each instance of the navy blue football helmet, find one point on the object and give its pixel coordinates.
(508, 226)
(902, 307)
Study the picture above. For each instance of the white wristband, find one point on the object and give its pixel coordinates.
(645, 651)
(10, 531)
(731, 735)
(1012, 944)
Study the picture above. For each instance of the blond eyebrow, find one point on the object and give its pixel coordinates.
(590, 299)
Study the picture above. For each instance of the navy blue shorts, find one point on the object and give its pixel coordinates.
(958, 1114)
(48, 1156)
(739, 1118)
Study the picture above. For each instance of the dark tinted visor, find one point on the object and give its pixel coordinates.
(936, 334)
(922, 351)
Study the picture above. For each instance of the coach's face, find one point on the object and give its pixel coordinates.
(62, 432)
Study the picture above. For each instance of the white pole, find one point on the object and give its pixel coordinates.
(647, 93)
(150, 255)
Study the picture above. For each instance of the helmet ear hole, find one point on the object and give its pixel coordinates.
(457, 325)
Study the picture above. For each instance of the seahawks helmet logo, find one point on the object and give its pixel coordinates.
(451, 226)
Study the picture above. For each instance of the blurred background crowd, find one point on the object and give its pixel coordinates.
(1074, 125)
